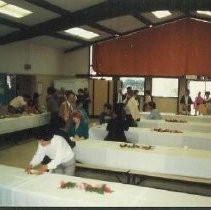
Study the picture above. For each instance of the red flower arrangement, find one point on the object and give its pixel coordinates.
(100, 189)
(166, 130)
(174, 120)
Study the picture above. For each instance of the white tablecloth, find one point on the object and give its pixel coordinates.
(8, 125)
(189, 126)
(167, 160)
(194, 140)
(189, 118)
(20, 189)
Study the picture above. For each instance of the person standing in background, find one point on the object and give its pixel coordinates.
(52, 105)
(66, 108)
(198, 101)
(119, 96)
(131, 108)
(147, 98)
(207, 101)
(186, 102)
(87, 101)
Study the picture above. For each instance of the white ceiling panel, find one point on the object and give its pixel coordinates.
(39, 15)
(75, 5)
(122, 24)
(101, 33)
(153, 19)
(53, 42)
(200, 15)
(6, 30)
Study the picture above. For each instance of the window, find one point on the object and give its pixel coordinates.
(137, 83)
(196, 86)
(165, 87)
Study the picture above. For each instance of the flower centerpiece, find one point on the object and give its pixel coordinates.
(166, 130)
(100, 189)
(133, 146)
(136, 146)
(175, 120)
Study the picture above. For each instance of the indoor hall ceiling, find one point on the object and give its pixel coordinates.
(108, 18)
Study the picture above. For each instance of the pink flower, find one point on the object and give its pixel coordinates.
(62, 184)
(108, 189)
(81, 186)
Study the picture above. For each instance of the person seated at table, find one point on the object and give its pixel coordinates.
(78, 129)
(198, 101)
(33, 104)
(117, 125)
(80, 108)
(186, 102)
(62, 160)
(106, 115)
(18, 104)
(154, 113)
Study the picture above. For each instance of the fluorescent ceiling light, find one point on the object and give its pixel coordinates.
(204, 12)
(2, 3)
(80, 32)
(14, 11)
(161, 13)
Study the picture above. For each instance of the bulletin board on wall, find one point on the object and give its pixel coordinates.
(71, 84)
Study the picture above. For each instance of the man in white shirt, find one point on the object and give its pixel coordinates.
(58, 150)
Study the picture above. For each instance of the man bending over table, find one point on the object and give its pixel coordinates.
(58, 150)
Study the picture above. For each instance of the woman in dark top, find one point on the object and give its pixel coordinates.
(117, 125)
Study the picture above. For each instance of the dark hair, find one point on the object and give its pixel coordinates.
(46, 134)
(78, 102)
(27, 96)
(69, 92)
(119, 110)
(207, 92)
(80, 90)
(152, 104)
(108, 106)
(36, 95)
(60, 122)
(51, 90)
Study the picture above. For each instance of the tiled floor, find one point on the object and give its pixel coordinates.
(20, 155)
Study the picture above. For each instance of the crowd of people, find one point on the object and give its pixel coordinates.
(24, 103)
(70, 119)
(69, 123)
(200, 104)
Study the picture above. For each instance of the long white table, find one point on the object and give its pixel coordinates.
(22, 190)
(8, 125)
(194, 140)
(166, 160)
(189, 118)
(189, 126)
